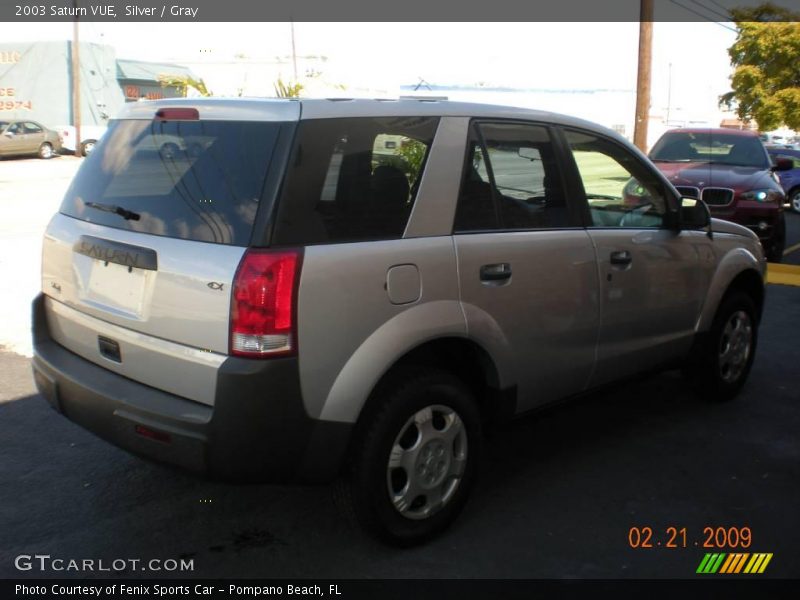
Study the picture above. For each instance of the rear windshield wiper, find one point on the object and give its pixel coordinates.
(126, 214)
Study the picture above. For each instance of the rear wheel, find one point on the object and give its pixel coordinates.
(87, 147)
(46, 151)
(412, 467)
(722, 361)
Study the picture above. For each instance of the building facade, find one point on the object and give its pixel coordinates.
(36, 82)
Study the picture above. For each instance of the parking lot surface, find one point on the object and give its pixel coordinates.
(558, 494)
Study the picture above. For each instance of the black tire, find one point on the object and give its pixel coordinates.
(716, 376)
(774, 251)
(87, 147)
(46, 151)
(368, 480)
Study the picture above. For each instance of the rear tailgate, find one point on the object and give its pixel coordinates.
(138, 265)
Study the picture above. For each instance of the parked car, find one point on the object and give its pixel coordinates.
(731, 172)
(18, 138)
(288, 306)
(90, 135)
(790, 180)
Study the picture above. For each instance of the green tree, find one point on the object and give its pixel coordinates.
(413, 153)
(288, 90)
(183, 82)
(766, 59)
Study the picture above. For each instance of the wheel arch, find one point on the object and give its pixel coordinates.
(462, 357)
(739, 270)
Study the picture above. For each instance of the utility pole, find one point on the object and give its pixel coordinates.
(76, 82)
(294, 54)
(669, 93)
(643, 77)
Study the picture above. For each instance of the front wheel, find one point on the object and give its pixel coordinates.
(723, 358)
(411, 469)
(774, 250)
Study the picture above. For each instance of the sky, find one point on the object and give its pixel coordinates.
(691, 67)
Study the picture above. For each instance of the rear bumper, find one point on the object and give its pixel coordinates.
(257, 429)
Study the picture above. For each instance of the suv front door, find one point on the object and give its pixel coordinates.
(653, 277)
(527, 270)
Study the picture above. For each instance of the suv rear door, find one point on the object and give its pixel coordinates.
(138, 264)
(526, 264)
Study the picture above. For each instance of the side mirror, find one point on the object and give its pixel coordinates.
(783, 164)
(694, 214)
(9, 134)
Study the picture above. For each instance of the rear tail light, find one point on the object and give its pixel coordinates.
(263, 304)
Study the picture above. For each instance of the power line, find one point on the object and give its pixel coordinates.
(725, 16)
(725, 8)
(702, 16)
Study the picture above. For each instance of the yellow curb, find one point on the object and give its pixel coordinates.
(783, 274)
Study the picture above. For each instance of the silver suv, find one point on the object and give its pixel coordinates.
(353, 290)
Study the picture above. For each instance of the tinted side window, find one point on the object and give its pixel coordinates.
(32, 128)
(352, 179)
(619, 189)
(511, 180)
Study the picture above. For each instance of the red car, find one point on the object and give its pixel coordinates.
(732, 173)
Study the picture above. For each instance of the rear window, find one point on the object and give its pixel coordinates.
(193, 180)
(352, 179)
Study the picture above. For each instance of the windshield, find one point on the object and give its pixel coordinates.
(713, 147)
(194, 180)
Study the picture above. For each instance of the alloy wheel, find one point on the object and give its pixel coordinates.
(735, 346)
(426, 462)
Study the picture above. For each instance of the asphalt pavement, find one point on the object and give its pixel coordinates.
(792, 252)
(558, 494)
(557, 497)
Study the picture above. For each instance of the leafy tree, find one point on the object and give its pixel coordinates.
(288, 90)
(766, 57)
(412, 153)
(183, 82)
